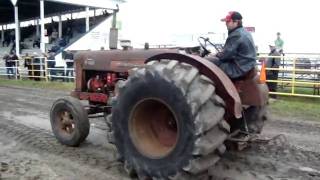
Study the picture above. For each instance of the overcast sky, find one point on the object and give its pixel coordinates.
(158, 20)
(167, 21)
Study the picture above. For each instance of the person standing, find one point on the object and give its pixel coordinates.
(279, 43)
(15, 64)
(69, 62)
(8, 63)
(51, 63)
(54, 36)
(28, 65)
(273, 62)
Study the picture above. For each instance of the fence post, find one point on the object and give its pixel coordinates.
(41, 68)
(16, 68)
(293, 76)
(283, 65)
(32, 68)
(46, 68)
(65, 74)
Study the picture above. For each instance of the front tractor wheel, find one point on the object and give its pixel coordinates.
(168, 122)
(69, 121)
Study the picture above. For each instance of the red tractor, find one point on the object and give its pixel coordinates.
(169, 113)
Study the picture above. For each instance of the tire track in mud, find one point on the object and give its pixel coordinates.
(31, 98)
(302, 134)
(41, 141)
(274, 160)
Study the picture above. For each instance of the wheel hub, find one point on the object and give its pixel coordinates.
(153, 128)
(66, 122)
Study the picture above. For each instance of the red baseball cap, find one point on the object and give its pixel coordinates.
(232, 15)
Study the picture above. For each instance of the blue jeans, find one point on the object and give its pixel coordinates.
(52, 73)
(10, 72)
(69, 73)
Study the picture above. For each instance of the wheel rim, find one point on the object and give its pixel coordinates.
(65, 122)
(153, 128)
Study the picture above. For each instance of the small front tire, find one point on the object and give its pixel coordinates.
(69, 121)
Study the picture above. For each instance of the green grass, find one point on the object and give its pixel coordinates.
(63, 86)
(298, 90)
(297, 108)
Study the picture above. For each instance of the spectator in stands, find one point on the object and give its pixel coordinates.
(273, 62)
(62, 42)
(106, 13)
(69, 24)
(69, 62)
(51, 64)
(69, 34)
(12, 36)
(6, 40)
(28, 65)
(54, 48)
(54, 36)
(36, 43)
(13, 47)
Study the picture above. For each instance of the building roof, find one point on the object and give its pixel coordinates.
(30, 9)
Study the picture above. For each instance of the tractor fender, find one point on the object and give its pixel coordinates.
(224, 86)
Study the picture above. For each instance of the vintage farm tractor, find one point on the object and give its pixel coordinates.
(169, 113)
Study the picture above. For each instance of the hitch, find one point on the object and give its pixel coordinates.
(239, 140)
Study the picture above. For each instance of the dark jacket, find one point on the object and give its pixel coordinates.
(273, 62)
(12, 60)
(239, 53)
(52, 61)
(27, 61)
(7, 60)
(69, 59)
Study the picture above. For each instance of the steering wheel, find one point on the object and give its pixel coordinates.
(203, 44)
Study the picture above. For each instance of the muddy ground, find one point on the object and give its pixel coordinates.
(28, 149)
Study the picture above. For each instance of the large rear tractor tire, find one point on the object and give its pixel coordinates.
(69, 121)
(168, 123)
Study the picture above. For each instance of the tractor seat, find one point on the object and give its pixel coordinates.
(238, 82)
(249, 75)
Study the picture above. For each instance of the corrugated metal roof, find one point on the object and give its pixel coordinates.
(108, 4)
(30, 9)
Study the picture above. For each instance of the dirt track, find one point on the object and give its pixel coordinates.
(29, 151)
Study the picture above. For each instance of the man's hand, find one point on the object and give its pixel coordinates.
(204, 52)
(212, 58)
(219, 54)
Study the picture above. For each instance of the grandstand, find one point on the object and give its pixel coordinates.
(65, 22)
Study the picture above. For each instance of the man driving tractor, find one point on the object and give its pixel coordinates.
(238, 56)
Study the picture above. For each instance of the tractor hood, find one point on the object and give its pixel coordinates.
(116, 60)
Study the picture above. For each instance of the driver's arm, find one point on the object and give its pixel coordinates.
(229, 49)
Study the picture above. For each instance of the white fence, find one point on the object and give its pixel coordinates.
(37, 68)
(298, 74)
